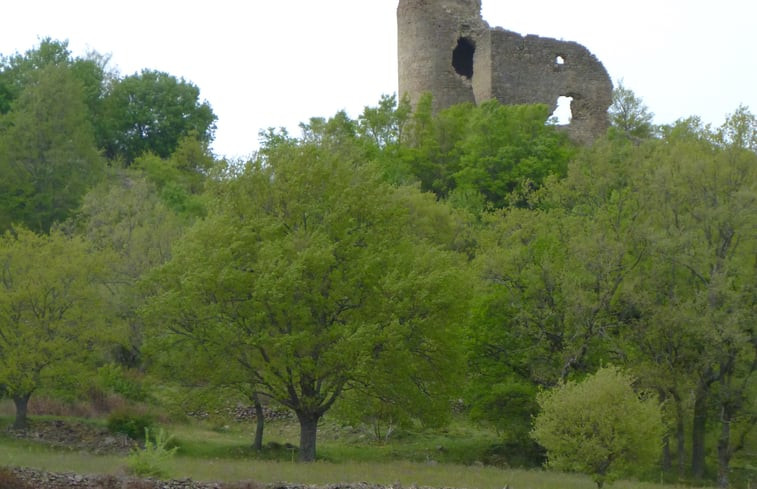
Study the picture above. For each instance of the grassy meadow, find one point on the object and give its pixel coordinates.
(217, 451)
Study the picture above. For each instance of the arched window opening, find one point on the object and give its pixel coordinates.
(462, 57)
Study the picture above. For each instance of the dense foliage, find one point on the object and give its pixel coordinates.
(599, 426)
(385, 268)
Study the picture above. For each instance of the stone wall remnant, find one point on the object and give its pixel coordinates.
(446, 48)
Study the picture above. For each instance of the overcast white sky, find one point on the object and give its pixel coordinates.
(276, 63)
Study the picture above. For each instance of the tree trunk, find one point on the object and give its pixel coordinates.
(308, 432)
(698, 432)
(257, 444)
(666, 461)
(681, 442)
(724, 446)
(21, 402)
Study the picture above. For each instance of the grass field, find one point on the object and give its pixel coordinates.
(266, 471)
(221, 452)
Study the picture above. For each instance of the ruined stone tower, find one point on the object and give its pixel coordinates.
(446, 48)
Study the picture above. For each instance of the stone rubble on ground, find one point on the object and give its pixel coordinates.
(38, 479)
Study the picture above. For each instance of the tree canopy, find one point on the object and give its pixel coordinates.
(52, 315)
(323, 284)
(48, 157)
(599, 426)
(151, 112)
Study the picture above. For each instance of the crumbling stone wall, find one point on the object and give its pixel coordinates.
(446, 48)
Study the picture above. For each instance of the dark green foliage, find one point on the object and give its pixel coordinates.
(492, 149)
(151, 112)
(48, 157)
(130, 423)
(524, 453)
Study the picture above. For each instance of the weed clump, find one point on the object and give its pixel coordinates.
(150, 460)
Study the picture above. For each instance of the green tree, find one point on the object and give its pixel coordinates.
(321, 284)
(181, 178)
(125, 217)
(492, 149)
(599, 426)
(703, 198)
(18, 70)
(52, 319)
(557, 298)
(152, 112)
(629, 114)
(739, 132)
(48, 157)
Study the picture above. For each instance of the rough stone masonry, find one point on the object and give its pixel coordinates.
(446, 48)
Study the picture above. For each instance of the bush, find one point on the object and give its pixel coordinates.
(113, 378)
(131, 424)
(150, 460)
(600, 426)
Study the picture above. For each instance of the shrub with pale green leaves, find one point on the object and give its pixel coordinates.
(600, 426)
(150, 460)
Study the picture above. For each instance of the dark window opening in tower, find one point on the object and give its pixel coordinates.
(462, 57)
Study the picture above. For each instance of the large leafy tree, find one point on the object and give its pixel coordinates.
(48, 157)
(556, 275)
(52, 319)
(703, 199)
(152, 111)
(321, 285)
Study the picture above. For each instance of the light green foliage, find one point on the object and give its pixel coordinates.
(739, 130)
(51, 318)
(629, 115)
(150, 460)
(181, 178)
(125, 216)
(112, 377)
(599, 426)
(151, 112)
(48, 158)
(321, 283)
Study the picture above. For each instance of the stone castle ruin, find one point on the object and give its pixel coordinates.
(446, 48)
